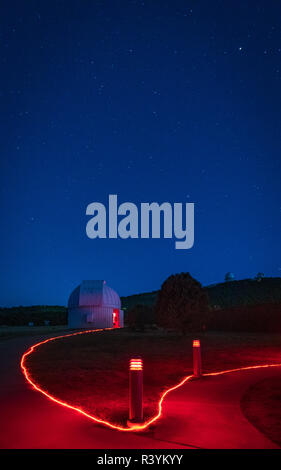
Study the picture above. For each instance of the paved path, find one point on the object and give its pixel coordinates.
(203, 413)
(206, 413)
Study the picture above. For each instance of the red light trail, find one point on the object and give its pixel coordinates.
(138, 427)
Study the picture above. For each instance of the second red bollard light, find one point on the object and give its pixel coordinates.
(135, 392)
(197, 364)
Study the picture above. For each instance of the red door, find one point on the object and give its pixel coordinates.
(115, 318)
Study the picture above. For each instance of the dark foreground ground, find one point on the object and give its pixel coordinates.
(91, 371)
(204, 414)
(261, 404)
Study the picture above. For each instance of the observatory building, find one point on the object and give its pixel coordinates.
(93, 304)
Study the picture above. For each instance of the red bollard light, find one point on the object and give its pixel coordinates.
(197, 365)
(135, 391)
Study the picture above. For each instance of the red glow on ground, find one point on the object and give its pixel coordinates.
(138, 427)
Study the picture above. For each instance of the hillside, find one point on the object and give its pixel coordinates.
(229, 294)
(38, 314)
(147, 298)
(245, 292)
(225, 294)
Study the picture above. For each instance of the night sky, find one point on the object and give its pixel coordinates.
(176, 101)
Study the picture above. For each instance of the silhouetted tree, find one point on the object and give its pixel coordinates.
(259, 276)
(182, 304)
(229, 277)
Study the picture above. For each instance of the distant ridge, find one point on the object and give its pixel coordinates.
(224, 294)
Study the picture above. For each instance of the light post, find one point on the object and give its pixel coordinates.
(197, 365)
(135, 391)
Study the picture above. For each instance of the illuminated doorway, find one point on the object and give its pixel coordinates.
(115, 318)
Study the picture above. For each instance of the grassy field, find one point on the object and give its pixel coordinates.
(9, 332)
(261, 404)
(91, 371)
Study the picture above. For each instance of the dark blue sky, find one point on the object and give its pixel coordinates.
(174, 101)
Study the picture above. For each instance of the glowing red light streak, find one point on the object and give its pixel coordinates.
(196, 343)
(139, 427)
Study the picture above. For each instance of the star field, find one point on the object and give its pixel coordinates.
(154, 101)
